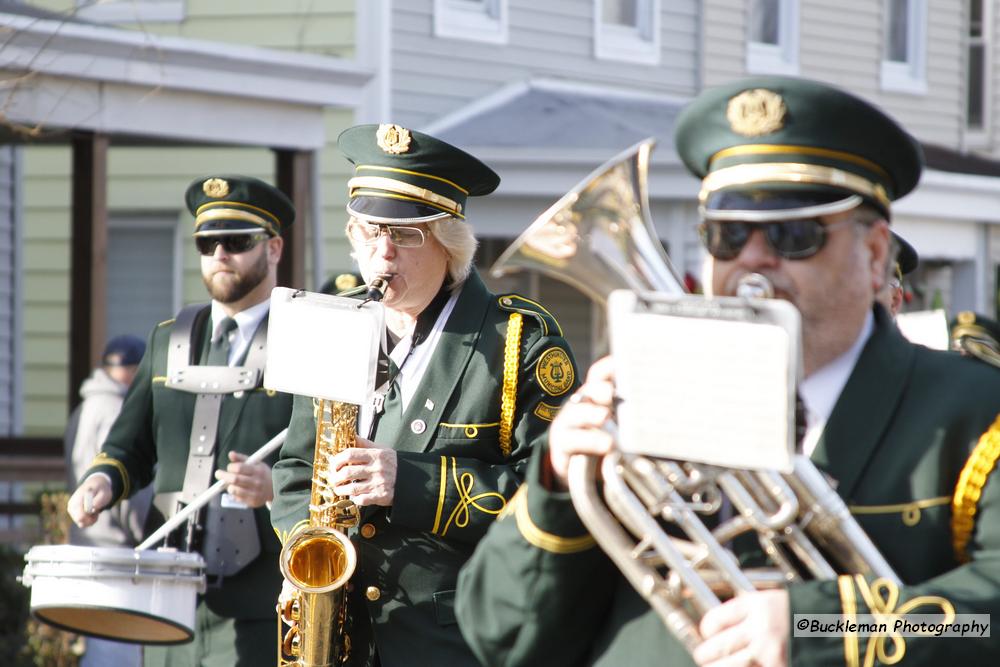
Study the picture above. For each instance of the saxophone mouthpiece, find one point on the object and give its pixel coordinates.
(376, 290)
(755, 286)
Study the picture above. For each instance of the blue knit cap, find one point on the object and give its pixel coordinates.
(123, 350)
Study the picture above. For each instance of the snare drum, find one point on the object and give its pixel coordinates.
(145, 597)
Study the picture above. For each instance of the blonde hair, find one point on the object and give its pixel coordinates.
(458, 241)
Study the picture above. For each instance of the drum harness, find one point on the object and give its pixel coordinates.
(224, 534)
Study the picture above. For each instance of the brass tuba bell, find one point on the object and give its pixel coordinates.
(598, 237)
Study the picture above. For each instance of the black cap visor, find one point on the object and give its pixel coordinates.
(389, 210)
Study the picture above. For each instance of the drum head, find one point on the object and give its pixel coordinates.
(122, 625)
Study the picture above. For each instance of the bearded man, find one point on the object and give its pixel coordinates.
(181, 439)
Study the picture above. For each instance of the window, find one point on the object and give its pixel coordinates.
(905, 54)
(773, 37)
(131, 11)
(144, 273)
(627, 30)
(475, 20)
(977, 89)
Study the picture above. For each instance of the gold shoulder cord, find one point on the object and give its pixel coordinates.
(970, 486)
(511, 361)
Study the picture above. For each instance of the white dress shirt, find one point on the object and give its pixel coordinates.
(412, 365)
(819, 392)
(247, 322)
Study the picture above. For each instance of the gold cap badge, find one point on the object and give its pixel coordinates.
(755, 112)
(555, 371)
(345, 281)
(966, 317)
(215, 187)
(393, 139)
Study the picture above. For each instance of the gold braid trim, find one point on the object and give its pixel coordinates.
(849, 606)
(970, 486)
(882, 598)
(460, 516)
(103, 459)
(518, 505)
(441, 492)
(508, 400)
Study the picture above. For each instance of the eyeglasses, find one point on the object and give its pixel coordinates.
(791, 239)
(233, 244)
(401, 237)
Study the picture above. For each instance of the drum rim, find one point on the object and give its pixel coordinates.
(188, 632)
(80, 553)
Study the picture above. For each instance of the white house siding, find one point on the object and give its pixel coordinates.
(434, 76)
(842, 43)
(148, 182)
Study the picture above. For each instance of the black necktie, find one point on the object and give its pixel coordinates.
(218, 351)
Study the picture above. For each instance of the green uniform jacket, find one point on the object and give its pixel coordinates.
(154, 429)
(455, 472)
(909, 421)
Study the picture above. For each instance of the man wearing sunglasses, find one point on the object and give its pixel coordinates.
(195, 411)
(471, 383)
(797, 180)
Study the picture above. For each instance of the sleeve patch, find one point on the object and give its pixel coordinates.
(545, 411)
(554, 372)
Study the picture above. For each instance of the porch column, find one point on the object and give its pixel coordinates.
(88, 257)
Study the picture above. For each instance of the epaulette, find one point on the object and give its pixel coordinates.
(516, 303)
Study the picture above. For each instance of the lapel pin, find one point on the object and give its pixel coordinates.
(418, 426)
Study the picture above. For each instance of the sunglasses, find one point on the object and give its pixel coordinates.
(233, 244)
(401, 237)
(790, 239)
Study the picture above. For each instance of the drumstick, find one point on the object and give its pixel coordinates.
(207, 495)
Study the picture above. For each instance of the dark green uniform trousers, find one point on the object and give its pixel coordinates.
(221, 642)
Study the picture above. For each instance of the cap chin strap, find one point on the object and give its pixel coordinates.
(747, 215)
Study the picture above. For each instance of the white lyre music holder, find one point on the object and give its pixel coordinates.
(706, 380)
(323, 346)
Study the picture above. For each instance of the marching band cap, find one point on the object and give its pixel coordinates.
(403, 176)
(777, 148)
(233, 204)
(906, 256)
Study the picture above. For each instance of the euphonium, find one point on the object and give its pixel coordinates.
(598, 238)
(320, 559)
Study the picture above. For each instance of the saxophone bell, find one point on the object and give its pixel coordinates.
(319, 560)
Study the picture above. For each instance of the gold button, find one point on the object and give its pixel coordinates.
(373, 593)
(368, 531)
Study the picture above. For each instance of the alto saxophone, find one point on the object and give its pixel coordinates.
(320, 559)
